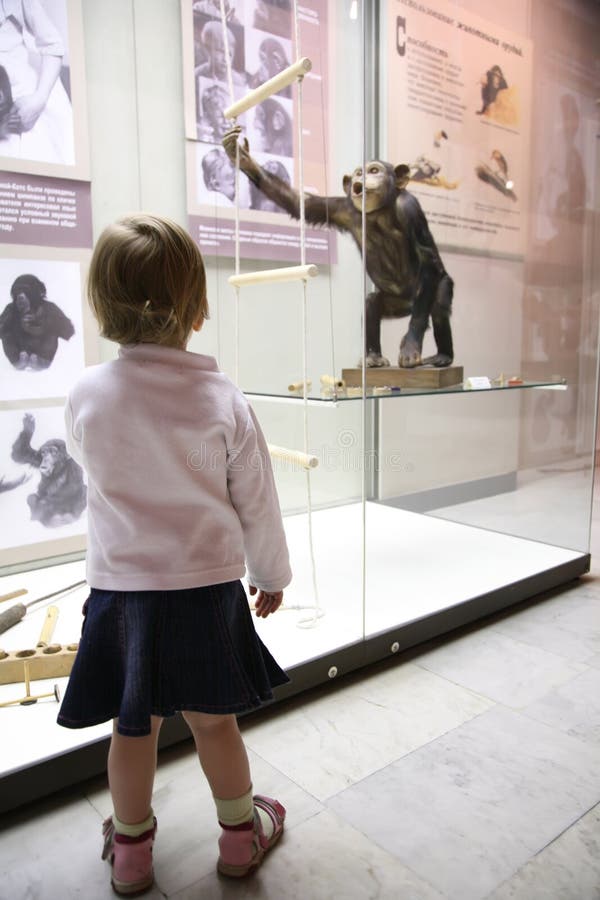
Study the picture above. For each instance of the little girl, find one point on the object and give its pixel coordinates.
(180, 493)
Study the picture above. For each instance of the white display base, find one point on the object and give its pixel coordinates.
(416, 565)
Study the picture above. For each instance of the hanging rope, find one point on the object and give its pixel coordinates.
(310, 621)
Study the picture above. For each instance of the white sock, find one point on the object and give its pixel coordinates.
(237, 811)
(136, 829)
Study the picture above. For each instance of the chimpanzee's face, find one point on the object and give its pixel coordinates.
(30, 314)
(374, 186)
(272, 60)
(50, 457)
(23, 304)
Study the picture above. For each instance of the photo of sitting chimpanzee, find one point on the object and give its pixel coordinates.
(61, 494)
(30, 325)
(402, 258)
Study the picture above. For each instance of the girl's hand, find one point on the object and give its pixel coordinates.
(266, 602)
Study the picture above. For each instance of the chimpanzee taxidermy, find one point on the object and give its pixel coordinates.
(401, 256)
(6, 102)
(61, 495)
(30, 325)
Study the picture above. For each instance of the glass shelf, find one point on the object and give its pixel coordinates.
(330, 396)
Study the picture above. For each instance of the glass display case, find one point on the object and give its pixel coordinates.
(416, 499)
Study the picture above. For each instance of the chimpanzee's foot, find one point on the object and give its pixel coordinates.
(409, 357)
(23, 360)
(38, 362)
(440, 360)
(375, 360)
(410, 352)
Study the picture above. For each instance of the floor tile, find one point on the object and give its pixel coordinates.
(567, 869)
(568, 624)
(573, 707)
(55, 855)
(469, 809)
(322, 859)
(333, 741)
(506, 670)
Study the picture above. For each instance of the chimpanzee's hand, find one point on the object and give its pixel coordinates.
(266, 602)
(230, 142)
(28, 424)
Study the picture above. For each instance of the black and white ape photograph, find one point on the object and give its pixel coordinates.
(281, 169)
(267, 56)
(42, 489)
(35, 77)
(402, 258)
(274, 16)
(41, 332)
(271, 129)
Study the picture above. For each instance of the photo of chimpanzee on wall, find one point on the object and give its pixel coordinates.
(42, 488)
(41, 344)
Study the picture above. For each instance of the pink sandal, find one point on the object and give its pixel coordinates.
(242, 849)
(130, 858)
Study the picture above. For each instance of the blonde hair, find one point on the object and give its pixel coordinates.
(146, 282)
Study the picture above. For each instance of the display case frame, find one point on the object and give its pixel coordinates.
(376, 418)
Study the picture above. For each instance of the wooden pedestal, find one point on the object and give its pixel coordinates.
(426, 377)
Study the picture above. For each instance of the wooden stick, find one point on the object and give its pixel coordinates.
(12, 595)
(299, 385)
(270, 87)
(306, 460)
(331, 381)
(48, 626)
(287, 273)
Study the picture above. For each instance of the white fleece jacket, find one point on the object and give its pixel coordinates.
(180, 485)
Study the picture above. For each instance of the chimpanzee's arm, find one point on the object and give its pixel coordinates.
(58, 324)
(10, 333)
(22, 451)
(336, 212)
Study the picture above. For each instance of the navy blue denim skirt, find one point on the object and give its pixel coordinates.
(146, 653)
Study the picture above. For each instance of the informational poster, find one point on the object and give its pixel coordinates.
(458, 101)
(258, 39)
(46, 235)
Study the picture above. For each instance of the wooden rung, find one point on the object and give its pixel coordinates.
(289, 273)
(306, 460)
(270, 87)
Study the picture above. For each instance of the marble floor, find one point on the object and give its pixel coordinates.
(468, 769)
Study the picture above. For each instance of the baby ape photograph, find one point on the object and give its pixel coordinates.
(41, 342)
(42, 489)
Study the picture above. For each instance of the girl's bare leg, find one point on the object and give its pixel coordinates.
(131, 769)
(222, 753)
